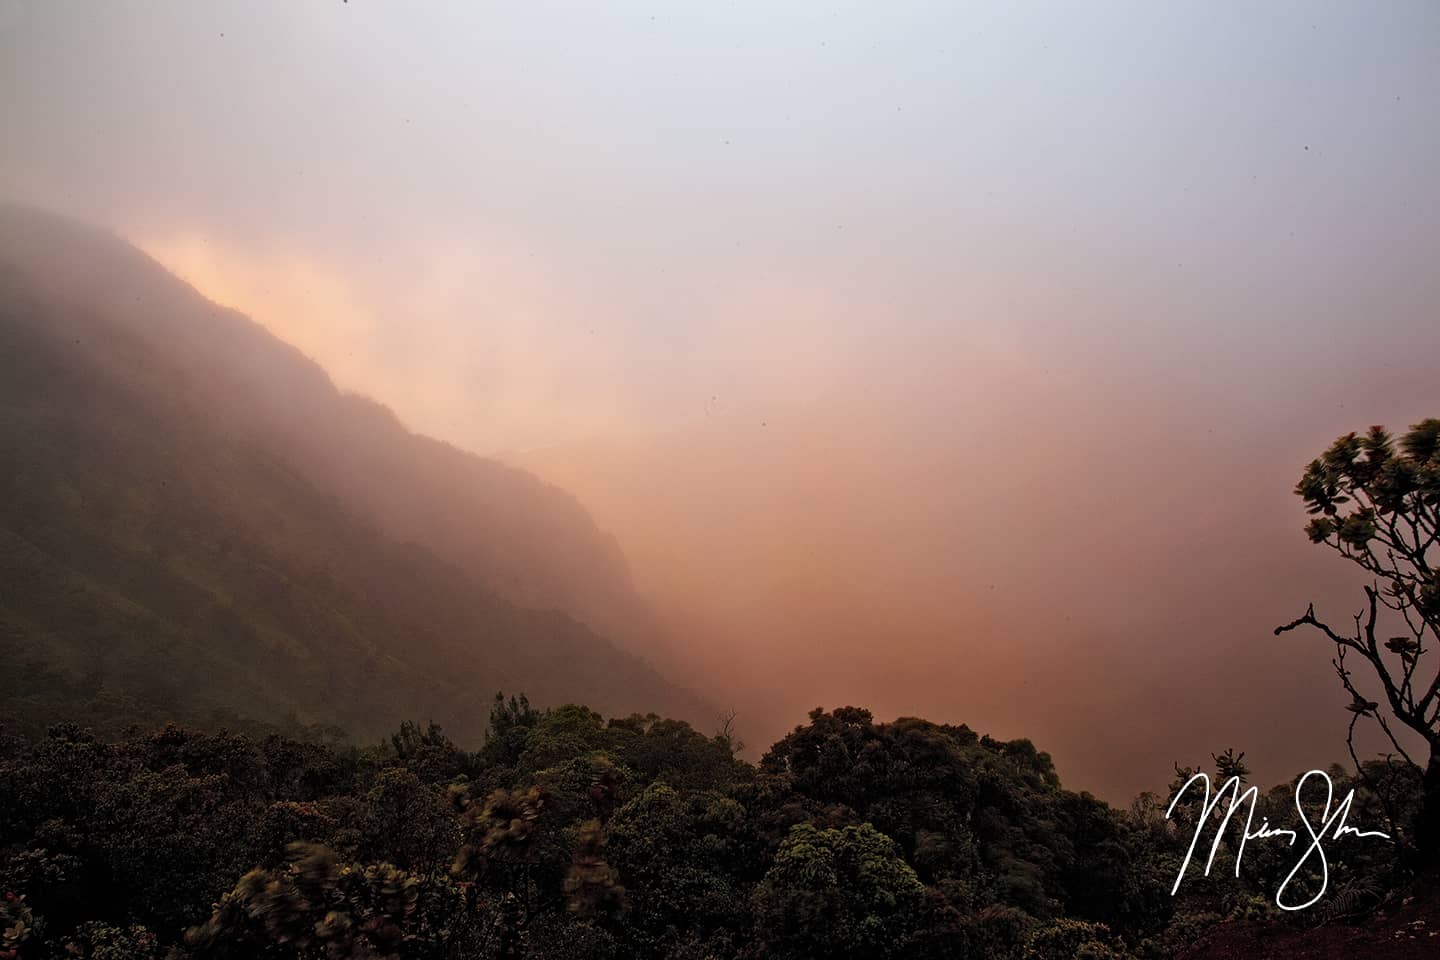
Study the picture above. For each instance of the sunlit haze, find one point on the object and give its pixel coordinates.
(951, 360)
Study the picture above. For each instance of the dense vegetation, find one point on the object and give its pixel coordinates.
(569, 836)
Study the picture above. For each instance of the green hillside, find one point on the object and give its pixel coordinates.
(166, 551)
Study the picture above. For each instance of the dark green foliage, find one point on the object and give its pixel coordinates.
(591, 884)
(688, 863)
(317, 906)
(564, 836)
(1072, 940)
(838, 893)
(963, 807)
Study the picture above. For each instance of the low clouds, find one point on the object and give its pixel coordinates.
(952, 360)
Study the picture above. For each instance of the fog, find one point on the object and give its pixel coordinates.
(950, 360)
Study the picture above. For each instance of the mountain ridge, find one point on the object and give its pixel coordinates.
(178, 477)
(343, 440)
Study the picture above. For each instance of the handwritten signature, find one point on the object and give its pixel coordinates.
(1332, 824)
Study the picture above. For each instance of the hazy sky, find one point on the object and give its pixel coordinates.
(601, 237)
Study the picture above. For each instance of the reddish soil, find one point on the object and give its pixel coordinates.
(1408, 931)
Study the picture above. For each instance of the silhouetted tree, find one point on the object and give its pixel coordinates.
(1228, 765)
(1379, 507)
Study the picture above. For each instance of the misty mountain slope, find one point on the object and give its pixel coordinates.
(531, 542)
(161, 554)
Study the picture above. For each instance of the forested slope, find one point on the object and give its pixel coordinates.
(168, 550)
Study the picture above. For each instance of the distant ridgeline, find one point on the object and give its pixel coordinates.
(195, 524)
